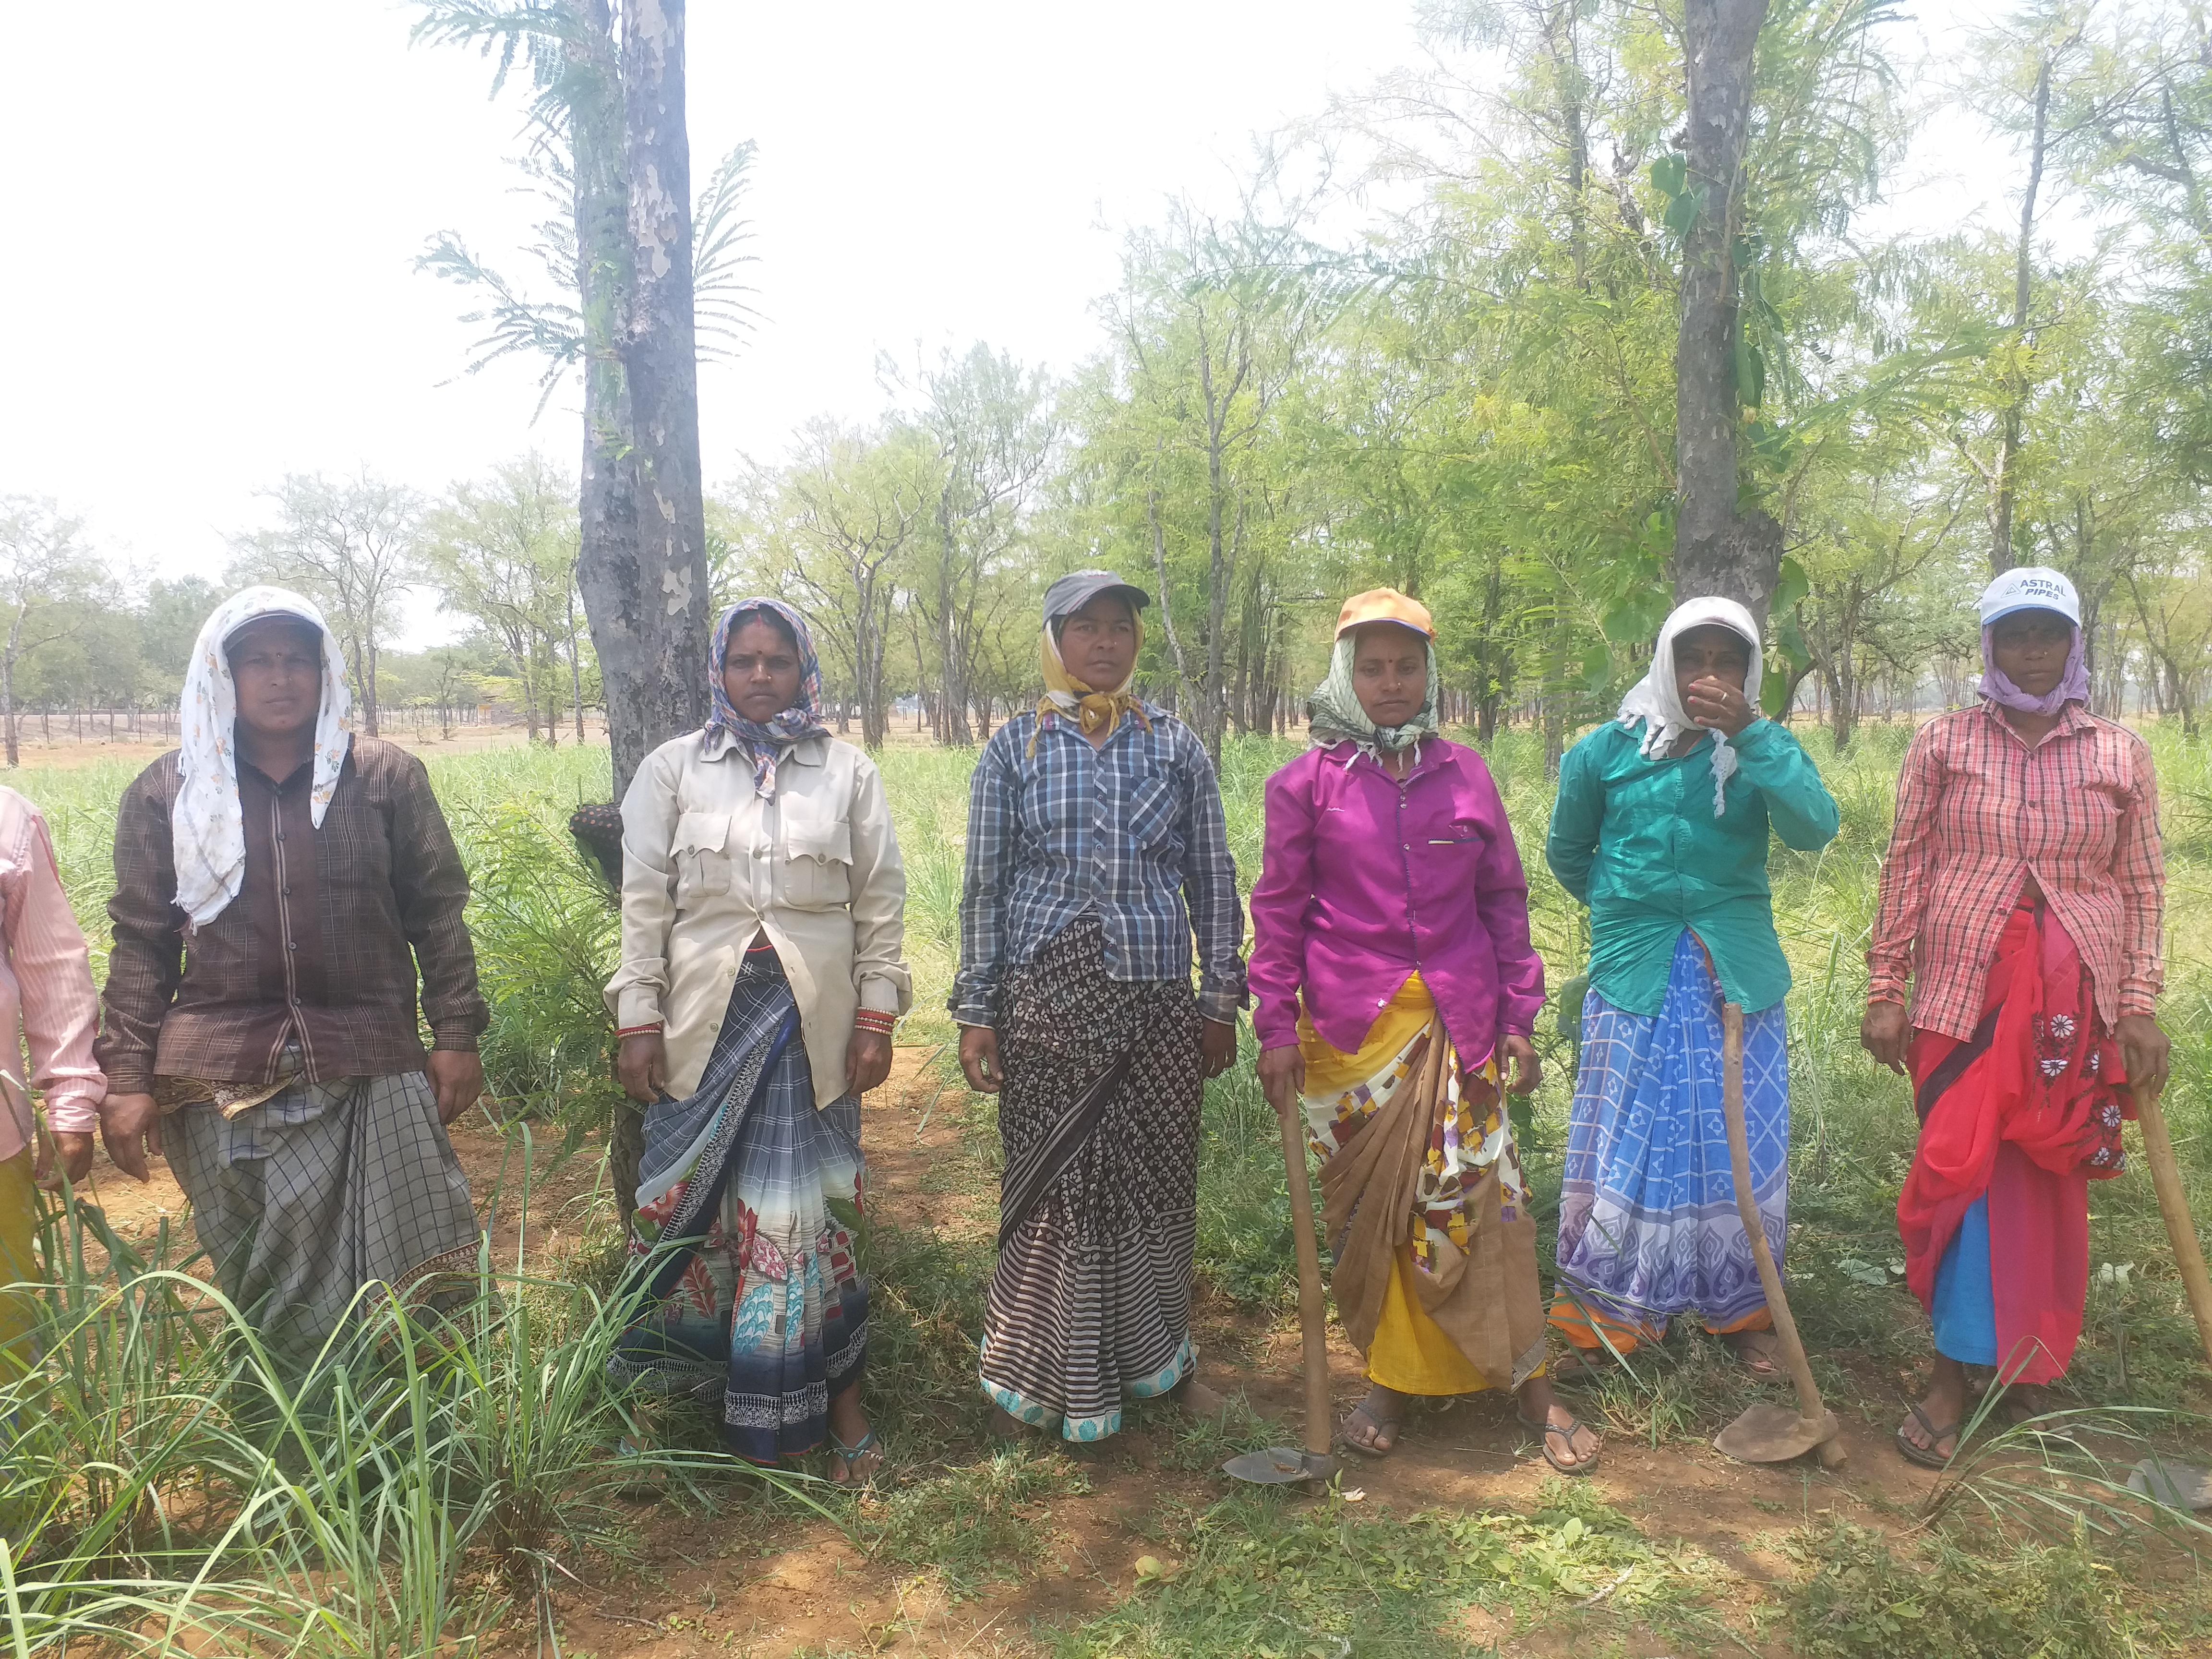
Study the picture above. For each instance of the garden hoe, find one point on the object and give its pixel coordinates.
(1285, 1466)
(2177, 1484)
(1768, 1434)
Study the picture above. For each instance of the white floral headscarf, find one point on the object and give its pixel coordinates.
(207, 826)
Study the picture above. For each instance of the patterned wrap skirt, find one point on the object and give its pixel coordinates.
(1648, 1221)
(2015, 1123)
(1434, 1246)
(742, 1246)
(320, 1189)
(1098, 1204)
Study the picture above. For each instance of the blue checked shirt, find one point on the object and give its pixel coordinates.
(1133, 831)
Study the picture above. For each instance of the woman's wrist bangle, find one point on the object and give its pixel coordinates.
(873, 1019)
(653, 1030)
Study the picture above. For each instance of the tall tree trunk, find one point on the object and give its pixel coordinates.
(1717, 550)
(660, 356)
(952, 682)
(2004, 473)
(607, 574)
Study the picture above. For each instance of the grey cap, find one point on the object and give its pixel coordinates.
(1071, 592)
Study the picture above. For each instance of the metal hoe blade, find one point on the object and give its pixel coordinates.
(1280, 1466)
(1774, 1434)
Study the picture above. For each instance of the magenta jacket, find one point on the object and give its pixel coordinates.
(1365, 880)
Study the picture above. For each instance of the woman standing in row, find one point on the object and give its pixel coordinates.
(763, 917)
(1662, 827)
(2021, 901)
(1097, 852)
(1392, 906)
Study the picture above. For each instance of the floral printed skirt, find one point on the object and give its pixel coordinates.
(2015, 1123)
(742, 1241)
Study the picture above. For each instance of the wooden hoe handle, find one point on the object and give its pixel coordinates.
(1313, 1312)
(1747, 1208)
(2173, 1205)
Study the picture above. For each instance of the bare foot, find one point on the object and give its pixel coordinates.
(1004, 1426)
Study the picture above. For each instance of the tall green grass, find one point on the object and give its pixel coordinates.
(171, 1485)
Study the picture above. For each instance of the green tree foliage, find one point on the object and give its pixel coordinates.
(502, 552)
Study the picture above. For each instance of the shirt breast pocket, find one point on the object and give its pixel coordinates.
(1149, 817)
(814, 872)
(703, 861)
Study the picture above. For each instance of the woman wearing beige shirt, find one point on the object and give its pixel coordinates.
(763, 922)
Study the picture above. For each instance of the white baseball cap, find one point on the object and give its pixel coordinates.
(2030, 587)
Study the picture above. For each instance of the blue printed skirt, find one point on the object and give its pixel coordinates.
(1648, 1221)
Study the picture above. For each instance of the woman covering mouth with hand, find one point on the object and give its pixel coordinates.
(1662, 827)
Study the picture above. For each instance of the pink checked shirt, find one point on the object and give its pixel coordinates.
(46, 998)
(1978, 811)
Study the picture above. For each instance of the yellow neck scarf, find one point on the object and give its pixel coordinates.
(1092, 711)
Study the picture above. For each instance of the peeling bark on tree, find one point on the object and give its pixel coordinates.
(1717, 549)
(643, 569)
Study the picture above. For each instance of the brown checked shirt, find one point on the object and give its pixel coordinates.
(318, 950)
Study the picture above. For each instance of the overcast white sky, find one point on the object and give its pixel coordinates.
(216, 209)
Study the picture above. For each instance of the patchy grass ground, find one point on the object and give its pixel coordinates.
(1462, 1543)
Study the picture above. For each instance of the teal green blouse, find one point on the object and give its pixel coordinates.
(1636, 841)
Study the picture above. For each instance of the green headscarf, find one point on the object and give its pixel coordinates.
(1334, 716)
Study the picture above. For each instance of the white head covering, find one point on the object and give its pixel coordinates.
(1655, 700)
(207, 826)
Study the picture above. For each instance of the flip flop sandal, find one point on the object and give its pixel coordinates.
(1383, 1426)
(1544, 1431)
(1582, 1366)
(852, 1455)
(1926, 1456)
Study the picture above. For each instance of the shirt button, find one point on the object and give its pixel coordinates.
(291, 944)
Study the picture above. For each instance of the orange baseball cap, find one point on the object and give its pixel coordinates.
(1384, 604)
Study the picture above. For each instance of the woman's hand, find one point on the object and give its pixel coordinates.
(1527, 1069)
(868, 1060)
(1283, 1078)
(1883, 1033)
(2144, 1050)
(979, 1058)
(1714, 702)
(132, 1127)
(641, 1067)
(1216, 1050)
(73, 1147)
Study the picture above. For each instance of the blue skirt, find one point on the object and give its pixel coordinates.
(1647, 1222)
